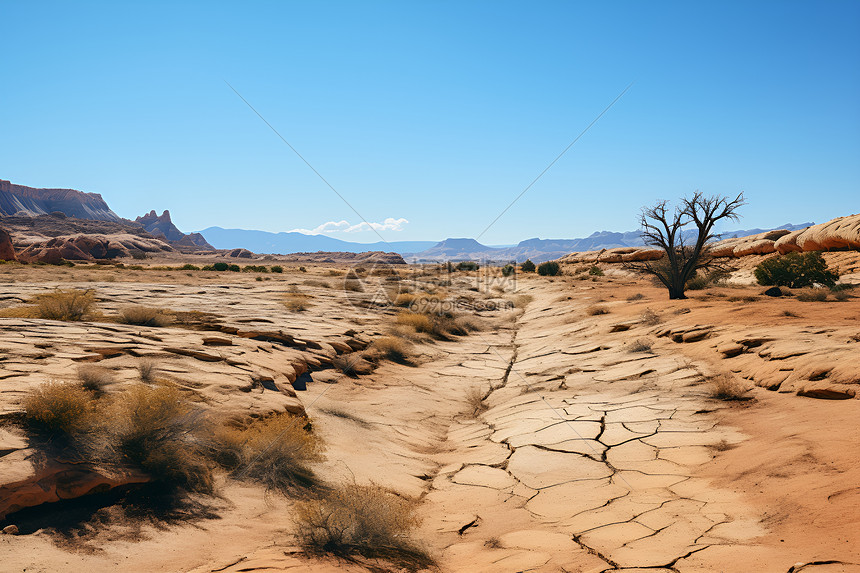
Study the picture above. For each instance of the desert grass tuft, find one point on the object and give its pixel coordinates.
(353, 364)
(95, 378)
(64, 304)
(475, 397)
(144, 316)
(596, 310)
(59, 408)
(649, 317)
(146, 370)
(276, 451)
(812, 295)
(365, 520)
(392, 348)
(726, 387)
(640, 345)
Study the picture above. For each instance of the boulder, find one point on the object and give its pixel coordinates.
(773, 291)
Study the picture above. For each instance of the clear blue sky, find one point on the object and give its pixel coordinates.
(438, 113)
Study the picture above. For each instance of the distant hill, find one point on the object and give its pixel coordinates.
(29, 201)
(284, 243)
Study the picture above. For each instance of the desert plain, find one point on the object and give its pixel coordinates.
(581, 422)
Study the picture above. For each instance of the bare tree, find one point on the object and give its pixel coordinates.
(664, 229)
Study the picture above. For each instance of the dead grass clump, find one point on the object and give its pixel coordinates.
(95, 378)
(144, 316)
(649, 317)
(727, 387)
(405, 299)
(521, 300)
(475, 399)
(812, 295)
(154, 429)
(276, 451)
(418, 322)
(353, 364)
(146, 370)
(64, 304)
(640, 345)
(596, 310)
(353, 285)
(392, 348)
(635, 297)
(296, 302)
(317, 283)
(789, 314)
(362, 520)
(59, 408)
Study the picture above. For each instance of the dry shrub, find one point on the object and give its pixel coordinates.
(812, 295)
(650, 317)
(841, 296)
(64, 304)
(296, 302)
(317, 283)
(146, 370)
(418, 322)
(475, 399)
(635, 297)
(596, 310)
(640, 345)
(95, 378)
(470, 323)
(352, 364)
(59, 408)
(392, 348)
(521, 300)
(353, 285)
(405, 299)
(154, 429)
(727, 387)
(276, 451)
(365, 520)
(144, 316)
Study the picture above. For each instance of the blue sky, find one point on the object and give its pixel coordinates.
(430, 117)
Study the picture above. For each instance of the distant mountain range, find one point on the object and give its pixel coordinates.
(455, 249)
(31, 202)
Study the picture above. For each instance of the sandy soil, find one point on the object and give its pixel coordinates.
(599, 446)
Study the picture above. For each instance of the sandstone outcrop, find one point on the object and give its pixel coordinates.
(89, 248)
(7, 251)
(29, 201)
(619, 255)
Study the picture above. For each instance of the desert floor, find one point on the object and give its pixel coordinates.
(598, 446)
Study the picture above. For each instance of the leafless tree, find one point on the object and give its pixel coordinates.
(664, 229)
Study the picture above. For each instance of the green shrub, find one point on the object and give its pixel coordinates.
(467, 266)
(595, 271)
(189, 267)
(549, 269)
(277, 269)
(528, 266)
(234, 268)
(255, 269)
(220, 267)
(796, 270)
(508, 270)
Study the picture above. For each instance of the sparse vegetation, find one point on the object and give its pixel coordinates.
(59, 408)
(549, 269)
(365, 520)
(146, 370)
(640, 345)
(95, 378)
(475, 400)
(276, 451)
(726, 387)
(154, 429)
(353, 285)
(595, 271)
(143, 316)
(392, 348)
(649, 317)
(64, 304)
(796, 270)
(812, 295)
(296, 301)
(317, 283)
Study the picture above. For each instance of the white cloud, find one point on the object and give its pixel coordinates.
(389, 224)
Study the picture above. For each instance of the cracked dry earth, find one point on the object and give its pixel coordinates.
(589, 454)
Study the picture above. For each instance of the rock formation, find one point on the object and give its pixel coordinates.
(7, 251)
(89, 247)
(162, 226)
(29, 201)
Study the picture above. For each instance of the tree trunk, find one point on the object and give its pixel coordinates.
(676, 293)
